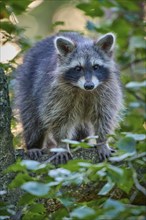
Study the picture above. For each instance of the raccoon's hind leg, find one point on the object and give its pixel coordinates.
(34, 143)
(37, 148)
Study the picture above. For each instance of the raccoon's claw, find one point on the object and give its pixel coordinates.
(104, 152)
(34, 154)
(62, 157)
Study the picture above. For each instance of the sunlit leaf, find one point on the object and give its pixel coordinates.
(135, 85)
(30, 164)
(67, 201)
(115, 169)
(122, 157)
(82, 212)
(106, 188)
(77, 143)
(36, 188)
(114, 207)
(137, 137)
(58, 150)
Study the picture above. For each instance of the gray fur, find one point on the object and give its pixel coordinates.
(53, 109)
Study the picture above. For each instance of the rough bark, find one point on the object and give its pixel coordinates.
(7, 155)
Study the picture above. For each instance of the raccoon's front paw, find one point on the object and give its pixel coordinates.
(61, 157)
(104, 152)
(35, 153)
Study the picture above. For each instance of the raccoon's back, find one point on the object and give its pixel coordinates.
(38, 61)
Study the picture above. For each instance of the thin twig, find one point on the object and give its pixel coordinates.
(137, 184)
(136, 96)
(133, 62)
(137, 156)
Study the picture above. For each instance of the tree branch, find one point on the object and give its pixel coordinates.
(133, 62)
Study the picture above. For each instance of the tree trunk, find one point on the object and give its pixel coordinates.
(7, 156)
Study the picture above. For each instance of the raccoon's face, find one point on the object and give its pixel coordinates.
(85, 64)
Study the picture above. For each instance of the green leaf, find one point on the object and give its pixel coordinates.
(115, 169)
(126, 183)
(33, 215)
(18, 6)
(116, 27)
(77, 143)
(57, 23)
(137, 42)
(37, 208)
(136, 85)
(106, 188)
(73, 165)
(91, 138)
(114, 208)
(58, 150)
(20, 179)
(84, 164)
(60, 214)
(8, 27)
(136, 137)
(68, 141)
(121, 157)
(132, 5)
(16, 167)
(36, 188)
(82, 212)
(30, 164)
(127, 144)
(54, 173)
(115, 173)
(134, 104)
(67, 201)
(92, 10)
(26, 198)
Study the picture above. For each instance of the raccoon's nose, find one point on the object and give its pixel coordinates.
(89, 85)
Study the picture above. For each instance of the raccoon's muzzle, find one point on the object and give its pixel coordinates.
(89, 85)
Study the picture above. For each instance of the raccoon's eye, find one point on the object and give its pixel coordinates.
(96, 66)
(78, 68)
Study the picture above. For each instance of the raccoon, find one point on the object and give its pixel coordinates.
(69, 87)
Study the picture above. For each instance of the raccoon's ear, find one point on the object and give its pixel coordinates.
(63, 45)
(106, 43)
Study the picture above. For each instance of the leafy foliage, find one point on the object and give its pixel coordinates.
(65, 186)
(46, 182)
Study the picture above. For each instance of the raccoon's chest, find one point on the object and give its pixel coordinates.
(72, 109)
(84, 108)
